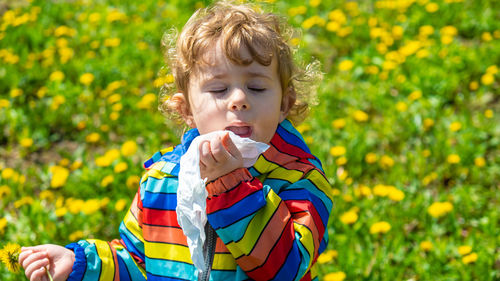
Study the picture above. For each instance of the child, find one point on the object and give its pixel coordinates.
(234, 71)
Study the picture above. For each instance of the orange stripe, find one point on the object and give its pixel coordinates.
(160, 234)
(220, 247)
(115, 258)
(267, 239)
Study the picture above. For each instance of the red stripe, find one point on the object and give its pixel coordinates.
(115, 260)
(306, 277)
(235, 195)
(302, 205)
(285, 147)
(277, 257)
(160, 217)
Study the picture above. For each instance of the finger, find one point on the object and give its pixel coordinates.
(219, 152)
(33, 268)
(33, 257)
(39, 275)
(24, 254)
(230, 146)
(206, 156)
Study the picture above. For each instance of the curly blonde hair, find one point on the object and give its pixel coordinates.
(265, 35)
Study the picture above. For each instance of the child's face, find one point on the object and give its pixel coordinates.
(246, 100)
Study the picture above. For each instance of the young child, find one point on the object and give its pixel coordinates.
(234, 71)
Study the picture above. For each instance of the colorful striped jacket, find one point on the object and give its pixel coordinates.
(271, 225)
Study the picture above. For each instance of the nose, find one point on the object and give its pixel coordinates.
(238, 100)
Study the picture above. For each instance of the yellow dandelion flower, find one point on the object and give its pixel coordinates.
(112, 42)
(426, 246)
(371, 158)
(380, 227)
(455, 126)
(56, 76)
(333, 26)
(338, 123)
(4, 103)
(488, 113)
(86, 78)
(386, 162)
(341, 161)
(76, 165)
(470, 258)
(107, 180)
(147, 101)
(335, 192)
(360, 116)
(129, 148)
(439, 209)
(16, 92)
(474, 85)
(428, 123)
(4, 191)
(327, 256)
(464, 250)
(26, 142)
(92, 138)
(486, 36)
(102, 161)
(3, 224)
(415, 95)
(449, 30)
(432, 7)
(9, 256)
(453, 159)
(426, 30)
(76, 235)
(59, 176)
(337, 150)
(479, 161)
(492, 69)
(346, 65)
(446, 39)
(303, 128)
(487, 79)
(61, 212)
(314, 3)
(133, 182)
(401, 106)
(334, 276)
(120, 167)
(363, 190)
(426, 153)
(396, 194)
(349, 217)
(381, 190)
(120, 205)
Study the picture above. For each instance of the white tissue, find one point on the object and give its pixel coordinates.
(192, 195)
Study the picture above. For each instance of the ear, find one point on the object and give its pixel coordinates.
(287, 102)
(180, 104)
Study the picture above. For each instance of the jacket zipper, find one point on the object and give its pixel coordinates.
(208, 252)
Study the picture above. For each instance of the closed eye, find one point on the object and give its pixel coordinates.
(255, 89)
(218, 91)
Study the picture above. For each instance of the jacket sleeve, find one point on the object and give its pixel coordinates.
(273, 233)
(120, 259)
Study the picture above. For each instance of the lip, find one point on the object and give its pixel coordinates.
(241, 129)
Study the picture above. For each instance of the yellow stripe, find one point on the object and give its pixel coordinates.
(320, 182)
(255, 227)
(167, 251)
(306, 239)
(224, 262)
(288, 175)
(314, 271)
(262, 165)
(107, 260)
(133, 225)
(165, 150)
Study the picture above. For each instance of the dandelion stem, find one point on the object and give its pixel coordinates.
(372, 261)
(48, 274)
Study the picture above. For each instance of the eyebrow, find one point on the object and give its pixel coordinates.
(249, 74)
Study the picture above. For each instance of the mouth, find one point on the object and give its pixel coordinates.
(242, 131)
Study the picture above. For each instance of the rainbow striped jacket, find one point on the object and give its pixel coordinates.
(270, 226)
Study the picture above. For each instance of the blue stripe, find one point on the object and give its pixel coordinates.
(292, 139)
(311, 187)
(131, 266)
(236, 212)
(133, 244)
(235, 231)
(122, 269)
(302, 194)
(165, 185)
(305, 258)
(170, 268)
(161, 201)
(290, 267)
(93, 271)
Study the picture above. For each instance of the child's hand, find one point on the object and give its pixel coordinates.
(57, 259)
(218, 157)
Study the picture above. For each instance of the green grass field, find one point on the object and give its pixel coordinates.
(407, 125)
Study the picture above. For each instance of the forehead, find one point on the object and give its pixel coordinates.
(216, 61)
